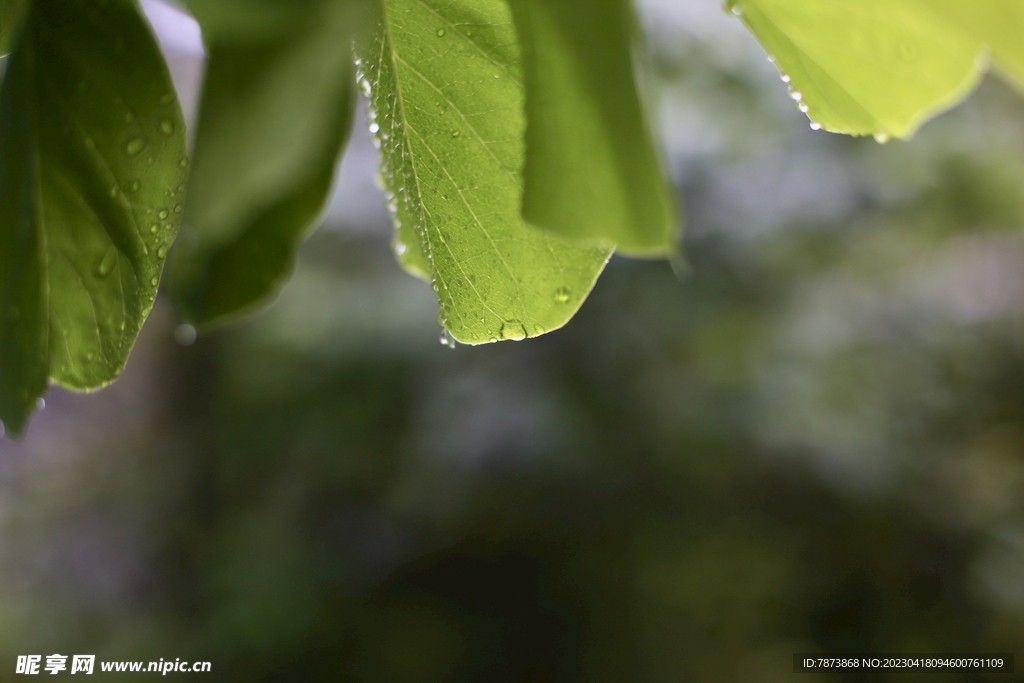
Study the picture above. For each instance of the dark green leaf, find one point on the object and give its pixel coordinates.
(11, 14)
(274, 118)
(446, 91)
(92, 166)
(591, 168)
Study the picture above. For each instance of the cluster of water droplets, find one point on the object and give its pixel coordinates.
(394, 172)
(796, 96)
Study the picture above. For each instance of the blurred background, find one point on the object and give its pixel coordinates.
(810, 437)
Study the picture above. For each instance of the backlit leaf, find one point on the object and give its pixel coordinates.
(883, 67)
(446, 92)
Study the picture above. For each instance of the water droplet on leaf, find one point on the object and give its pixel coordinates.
(135, 145)
(106, 264)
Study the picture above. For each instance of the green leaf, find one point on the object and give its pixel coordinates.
(446, 91)
(883, 67)
(591, 167)
(274, 117)
(92, 166)
(249, 20)
(11, 14)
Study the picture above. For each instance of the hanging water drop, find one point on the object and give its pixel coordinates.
(881, 137)
(785, 78)
(803, 107)
(185, 335)
(447, 339)
(795, 95)
(400, 248)
(815, 125)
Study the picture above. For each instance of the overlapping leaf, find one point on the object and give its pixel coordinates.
(882, 67)
(591, 167)
(92, 166)
(276, 111)
(446, 89)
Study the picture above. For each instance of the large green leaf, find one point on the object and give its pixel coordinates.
(92, 166)
(11, 14)
(591, 169)
(882, 67)
(447, 111)
(274, 117)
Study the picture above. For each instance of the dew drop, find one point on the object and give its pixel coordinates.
(785, 78)
(166, 127)
(135, 145)
(154, 228)
(166, 99)
(129, 117)
(400, 248)
(183, 162)
(796, 95)
(163, 214)
(135, 186)
(440, 32)
(737, 10)
(803, 107)
(41, 404)
(881, 137)
(154, 281)
(161, 252)
(185, 335)
(513, 330)
(178, 208)
(562, 295)
(455, 133)
(113, 191)
(106, 264)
